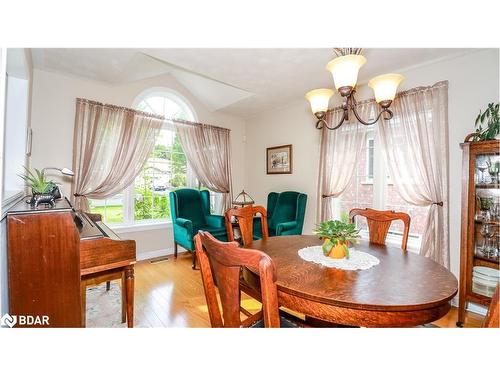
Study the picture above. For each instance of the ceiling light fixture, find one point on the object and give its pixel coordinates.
(345, 68)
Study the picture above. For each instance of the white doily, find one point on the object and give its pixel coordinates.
(358, 260)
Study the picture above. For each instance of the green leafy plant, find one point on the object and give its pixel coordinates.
(37, 181)
(490, 118)
(337, 232)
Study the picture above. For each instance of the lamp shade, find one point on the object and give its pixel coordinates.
(67, 172)
(385, 86)
(319, 99)
(345, 70)
(243, 199)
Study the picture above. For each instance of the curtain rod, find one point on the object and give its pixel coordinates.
(148, 114)
(411, 91)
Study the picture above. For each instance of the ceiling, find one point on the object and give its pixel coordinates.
(242, 82)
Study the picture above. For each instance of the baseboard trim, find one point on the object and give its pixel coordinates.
(158, 253)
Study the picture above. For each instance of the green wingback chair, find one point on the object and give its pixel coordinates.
(190, 212)
(285, 214)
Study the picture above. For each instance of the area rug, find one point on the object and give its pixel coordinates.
(104, 308)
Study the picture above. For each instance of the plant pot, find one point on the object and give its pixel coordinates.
(338, 251)
(42, 198)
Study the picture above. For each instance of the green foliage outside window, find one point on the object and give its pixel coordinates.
(148, 204)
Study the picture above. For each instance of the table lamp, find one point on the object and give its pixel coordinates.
(243, 199)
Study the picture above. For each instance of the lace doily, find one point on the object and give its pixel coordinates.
(358, 260)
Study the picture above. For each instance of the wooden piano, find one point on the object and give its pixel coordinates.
(53, 254)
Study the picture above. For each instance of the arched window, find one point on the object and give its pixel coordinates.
(147, 200)
(165, 102)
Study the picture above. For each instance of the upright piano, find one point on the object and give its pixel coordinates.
(53, 253)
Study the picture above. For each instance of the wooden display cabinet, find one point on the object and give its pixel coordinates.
(480, 206)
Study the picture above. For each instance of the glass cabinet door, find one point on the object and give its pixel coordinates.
(487, 220)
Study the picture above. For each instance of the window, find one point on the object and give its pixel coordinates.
(371, 186)
(147, 199)
(17, 135)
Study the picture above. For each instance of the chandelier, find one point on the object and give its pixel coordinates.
(344, 69)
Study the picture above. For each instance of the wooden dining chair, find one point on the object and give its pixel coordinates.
(220, 265)
(379, 223)
(245, 217)
(492, 317)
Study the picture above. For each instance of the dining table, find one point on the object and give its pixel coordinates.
(404, 290)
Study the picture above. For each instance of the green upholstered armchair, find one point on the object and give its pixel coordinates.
(285, 214)
(190, 212)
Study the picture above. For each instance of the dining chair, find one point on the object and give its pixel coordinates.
(245, 218)
(379, 223)
(492, 317)
(220, 266)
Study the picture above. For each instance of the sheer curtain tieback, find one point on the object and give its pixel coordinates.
(111, 146)
(417, 138)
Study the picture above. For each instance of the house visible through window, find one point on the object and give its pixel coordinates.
(147, 200)
(371, 186)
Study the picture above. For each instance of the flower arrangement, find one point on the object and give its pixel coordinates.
(337, 235)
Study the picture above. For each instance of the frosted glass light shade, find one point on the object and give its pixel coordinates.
(345, 70)
(385, 86)
(319, 99)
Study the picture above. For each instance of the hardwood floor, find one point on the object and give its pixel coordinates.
(170, 294)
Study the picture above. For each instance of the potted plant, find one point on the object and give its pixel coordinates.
(491, 118)
(337, 235)
(41, 188)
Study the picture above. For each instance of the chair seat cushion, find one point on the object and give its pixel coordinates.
(213, 230)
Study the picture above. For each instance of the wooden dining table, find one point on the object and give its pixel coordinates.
(404, 290)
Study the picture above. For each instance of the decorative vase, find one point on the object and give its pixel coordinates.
(338, 251)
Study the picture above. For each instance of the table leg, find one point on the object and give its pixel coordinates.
(129, 290)
(124, 299)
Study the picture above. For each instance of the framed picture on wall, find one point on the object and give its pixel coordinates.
(279, 160)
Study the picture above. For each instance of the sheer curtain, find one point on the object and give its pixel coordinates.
(415, 144)
(339, 152)
(111, 145)
(207, 149)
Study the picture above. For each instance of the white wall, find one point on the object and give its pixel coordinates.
(53, 115)
(473, 82)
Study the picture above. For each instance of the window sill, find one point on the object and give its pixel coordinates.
(140, 227)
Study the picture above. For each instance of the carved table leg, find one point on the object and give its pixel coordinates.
(129, 289)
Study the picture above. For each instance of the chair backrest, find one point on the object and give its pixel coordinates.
(245, 217)
(190, 204)
(379, 223)
(286, 206)
(220, 264)
(492, 317)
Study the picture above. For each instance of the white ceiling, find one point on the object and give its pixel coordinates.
(242, 82)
